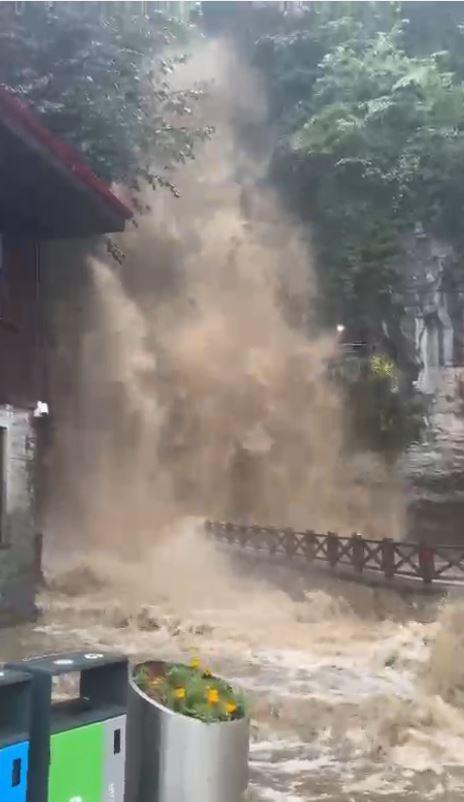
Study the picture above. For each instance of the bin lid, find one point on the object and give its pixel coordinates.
(69, 662)
(10, 676)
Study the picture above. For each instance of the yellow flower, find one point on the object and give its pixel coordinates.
(179, 693)
(195, 662)
(213, 696)
(382, 365)
(231, 707)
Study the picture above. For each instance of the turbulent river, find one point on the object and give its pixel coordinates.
(356, 692)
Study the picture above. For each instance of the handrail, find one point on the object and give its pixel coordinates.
(389, 557)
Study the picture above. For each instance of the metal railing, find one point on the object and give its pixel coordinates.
(389, 557)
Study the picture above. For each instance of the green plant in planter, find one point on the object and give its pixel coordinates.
(192, 691)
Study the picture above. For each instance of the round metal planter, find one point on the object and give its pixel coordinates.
(174, 758)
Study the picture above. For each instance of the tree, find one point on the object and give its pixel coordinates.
(383, 149)
(368, 103)
(371, 142)
(98, 73)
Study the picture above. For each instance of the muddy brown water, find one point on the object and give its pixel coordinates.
(355, 692)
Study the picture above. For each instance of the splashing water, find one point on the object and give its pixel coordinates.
(203, 390)
(203, 383)
(345, 681)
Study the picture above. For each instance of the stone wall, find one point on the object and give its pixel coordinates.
(434, 324)
(18, 544)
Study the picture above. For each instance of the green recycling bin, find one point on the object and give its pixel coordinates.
(78, 745)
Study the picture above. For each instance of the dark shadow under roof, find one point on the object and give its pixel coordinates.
(47, 190)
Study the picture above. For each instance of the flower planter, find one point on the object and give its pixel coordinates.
(174, 758)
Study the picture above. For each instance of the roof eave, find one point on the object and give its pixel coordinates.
(111, 213)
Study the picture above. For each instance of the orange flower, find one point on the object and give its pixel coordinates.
(231, 707)
(179, 693)
(213, 696)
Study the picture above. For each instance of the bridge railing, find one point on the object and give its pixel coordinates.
(389, 557)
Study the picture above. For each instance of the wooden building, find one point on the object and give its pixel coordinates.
(47, 192)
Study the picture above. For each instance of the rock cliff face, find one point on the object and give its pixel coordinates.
(434, 324)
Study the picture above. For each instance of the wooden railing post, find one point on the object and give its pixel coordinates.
(426, 563)
(388, 557)
(289, 542)
(310, 544)
(357, 552)
(332, 549)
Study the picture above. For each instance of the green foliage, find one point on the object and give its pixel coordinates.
(372, 141)
(192, 691)
(385, 415)
(368, 101)
(99, 75)
(389, 130)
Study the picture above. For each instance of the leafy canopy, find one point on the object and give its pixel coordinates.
(367, 100)
(99, 73)
(371, 142)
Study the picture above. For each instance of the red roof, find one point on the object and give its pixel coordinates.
(69, 157)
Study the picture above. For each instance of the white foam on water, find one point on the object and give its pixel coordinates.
(342, 704)
(270, 795)
(376, 783)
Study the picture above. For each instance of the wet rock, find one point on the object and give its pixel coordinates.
(148, 620)
(121, 622)
(118, 618)
(201, 629)
(433, 469)
(75, 582)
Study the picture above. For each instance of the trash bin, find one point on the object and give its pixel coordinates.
(78, 744)
(15, 720)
